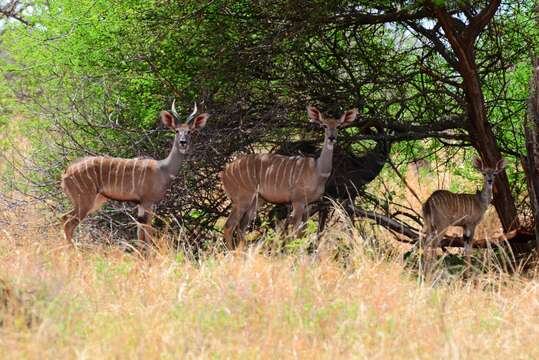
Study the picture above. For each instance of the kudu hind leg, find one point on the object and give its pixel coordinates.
(231, 225)
(426, 245)
(84, 207)
(248, 217)
(71, 220)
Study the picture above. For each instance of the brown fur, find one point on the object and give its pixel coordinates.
(444, 208)
(91, 181)
(268, 174)
(253, 179)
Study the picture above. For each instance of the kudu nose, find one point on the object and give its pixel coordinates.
(332, 138)
(183, 142)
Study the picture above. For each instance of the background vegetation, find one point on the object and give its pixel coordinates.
(87, 77)
(435, 83)
(90, 77)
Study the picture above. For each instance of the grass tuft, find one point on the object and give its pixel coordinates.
(354, 296)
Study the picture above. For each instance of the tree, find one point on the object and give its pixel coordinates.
(98, 75)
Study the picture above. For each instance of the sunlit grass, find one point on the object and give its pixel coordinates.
(353, 299)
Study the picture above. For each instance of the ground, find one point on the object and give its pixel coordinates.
(102, 302)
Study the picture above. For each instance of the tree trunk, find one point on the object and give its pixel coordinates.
(532, 147)
(484, 141)
(462, 41)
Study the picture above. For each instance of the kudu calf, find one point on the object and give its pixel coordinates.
(443, 209)
(253, 179)
(91, 181)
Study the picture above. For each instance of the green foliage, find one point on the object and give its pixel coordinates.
(90, 77)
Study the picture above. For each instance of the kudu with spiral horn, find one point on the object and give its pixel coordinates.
(91, 181)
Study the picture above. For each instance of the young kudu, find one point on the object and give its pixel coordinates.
(253, 179)
(91, 181)
(443, 209)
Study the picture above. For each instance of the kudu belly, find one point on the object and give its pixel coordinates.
(114, 178)
(275, 178)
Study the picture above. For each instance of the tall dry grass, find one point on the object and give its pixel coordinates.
(101, 302)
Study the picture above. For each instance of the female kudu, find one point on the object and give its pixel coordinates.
(278, 179)
(444, 208)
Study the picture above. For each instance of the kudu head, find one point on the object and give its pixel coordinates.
(330, 124)
(183, 130)
(489, 173)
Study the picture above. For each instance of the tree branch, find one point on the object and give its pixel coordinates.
(356, 18)
(413, 234)
(12, 10)
(478, 22)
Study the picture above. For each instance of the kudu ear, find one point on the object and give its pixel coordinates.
(348, 117)
(500, 165)
(477, 163)
(168, 120)
(315, 116)
(200, 121)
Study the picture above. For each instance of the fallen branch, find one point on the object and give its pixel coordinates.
(411, 235)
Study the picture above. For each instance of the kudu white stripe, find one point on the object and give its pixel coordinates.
(253, 179)
(91, 181)
(444, 208)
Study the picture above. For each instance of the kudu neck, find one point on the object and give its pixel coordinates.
(485, 196)
(172, 163)
(325, 161)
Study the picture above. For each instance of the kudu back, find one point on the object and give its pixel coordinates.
(91, 181)
(350, 174)
(444, 208)
(253, 179)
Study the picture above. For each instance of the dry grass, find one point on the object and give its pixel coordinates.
(104, 303)
(356, 299)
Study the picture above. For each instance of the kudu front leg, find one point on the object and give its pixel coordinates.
(323, 214)
(468, 239)
(298, 210)
(144, 224)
